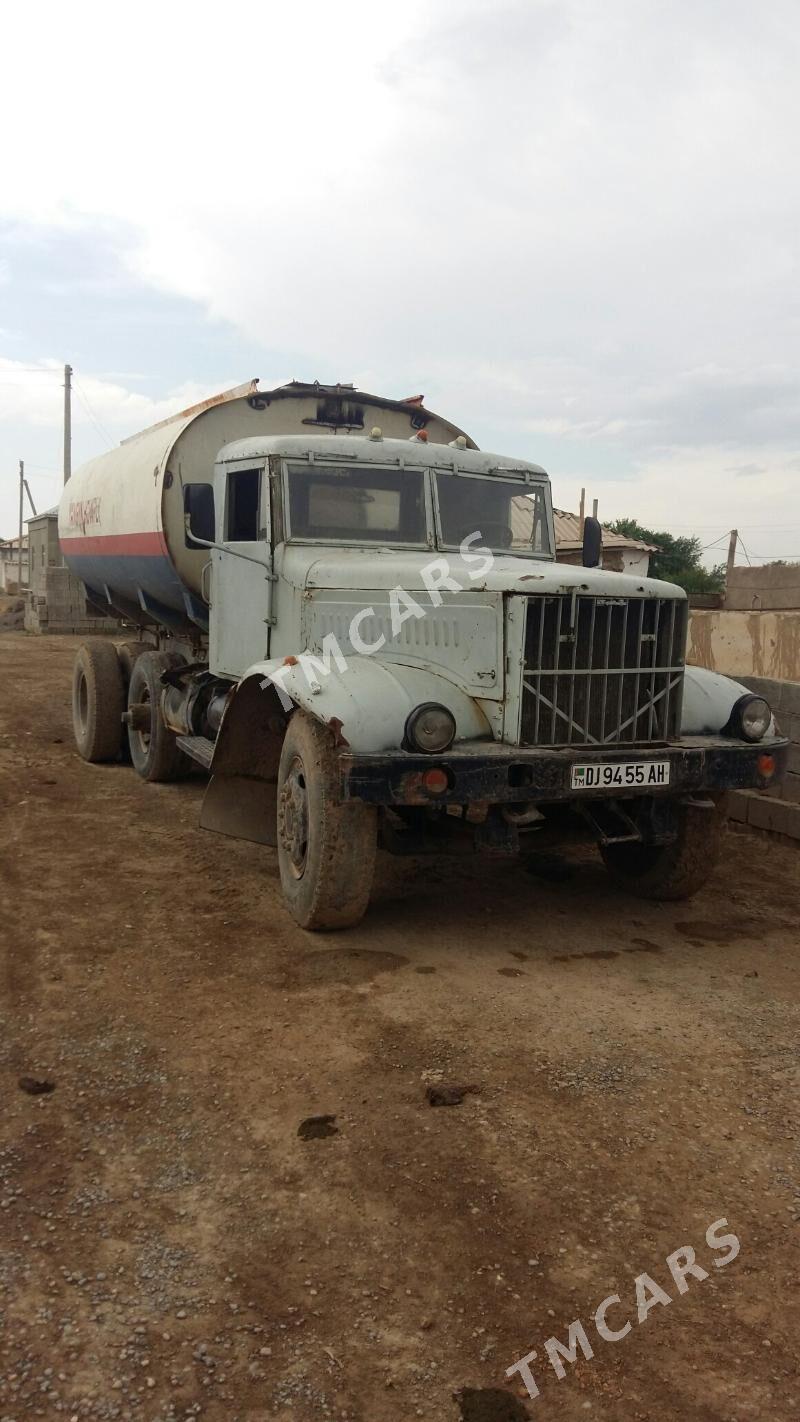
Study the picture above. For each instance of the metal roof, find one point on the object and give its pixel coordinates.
(568, 535)
(43, 513)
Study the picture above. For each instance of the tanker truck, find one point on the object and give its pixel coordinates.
(352, 619)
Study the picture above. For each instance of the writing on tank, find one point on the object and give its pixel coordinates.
(83, 512)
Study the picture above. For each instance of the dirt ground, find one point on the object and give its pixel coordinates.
(170, 1247)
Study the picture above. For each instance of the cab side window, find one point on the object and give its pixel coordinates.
(198, 503)
(243, 506)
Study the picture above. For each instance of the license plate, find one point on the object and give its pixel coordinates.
(620, 774)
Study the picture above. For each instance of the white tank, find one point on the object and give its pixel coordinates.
(121, 516)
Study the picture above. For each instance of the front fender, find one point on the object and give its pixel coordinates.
(368, 703)
(708, 699)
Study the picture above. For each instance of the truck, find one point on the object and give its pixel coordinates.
(353, 621)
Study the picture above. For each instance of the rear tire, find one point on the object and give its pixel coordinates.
(326, 845)
(129, 654)
(98, 701)
(153, 746)
(670, 871)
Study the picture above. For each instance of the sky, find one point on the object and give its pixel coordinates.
(572, 225)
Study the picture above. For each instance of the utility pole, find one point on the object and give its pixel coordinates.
(67, 422)
(21, 497)
(732, 552)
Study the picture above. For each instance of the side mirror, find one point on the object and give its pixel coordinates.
(592, 542)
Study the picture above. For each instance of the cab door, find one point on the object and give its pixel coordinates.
(241, 569)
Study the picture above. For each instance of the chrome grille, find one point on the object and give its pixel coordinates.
(600, 671)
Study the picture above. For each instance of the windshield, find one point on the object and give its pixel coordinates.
(510, 516)
(351, 505)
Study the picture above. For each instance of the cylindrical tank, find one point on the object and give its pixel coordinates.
(121, 520)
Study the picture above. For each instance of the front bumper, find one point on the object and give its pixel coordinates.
(497, 773)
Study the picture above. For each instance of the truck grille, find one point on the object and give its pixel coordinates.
(601, 671)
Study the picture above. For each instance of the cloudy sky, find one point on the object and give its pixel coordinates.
(571, 224)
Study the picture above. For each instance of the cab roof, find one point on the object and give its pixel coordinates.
(412, 453)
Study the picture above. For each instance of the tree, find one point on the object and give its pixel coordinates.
(676, 560)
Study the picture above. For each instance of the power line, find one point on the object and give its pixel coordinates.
(744, 550)
(777, 557)
(4, 380)
(704, 527)
(85, 402)
(715, 543)
(760, 557)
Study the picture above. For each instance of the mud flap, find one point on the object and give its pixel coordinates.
(241, 806)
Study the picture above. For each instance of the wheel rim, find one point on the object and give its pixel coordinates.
(143, 737)
(83, 702)
(294, 818)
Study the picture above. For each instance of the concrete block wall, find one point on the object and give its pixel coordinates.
(62, 607)
(745, 644)
(762, 812)
(770, 586)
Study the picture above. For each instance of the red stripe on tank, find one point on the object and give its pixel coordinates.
(142, 545)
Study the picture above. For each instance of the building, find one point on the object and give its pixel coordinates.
(621, 554)
(9, 564)
(44, 549)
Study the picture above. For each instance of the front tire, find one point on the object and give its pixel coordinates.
(153, 746)
(670, 871)
(326, 845)
(98, 701)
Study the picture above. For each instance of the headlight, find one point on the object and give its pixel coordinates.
(750, 718)
(430, 728)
